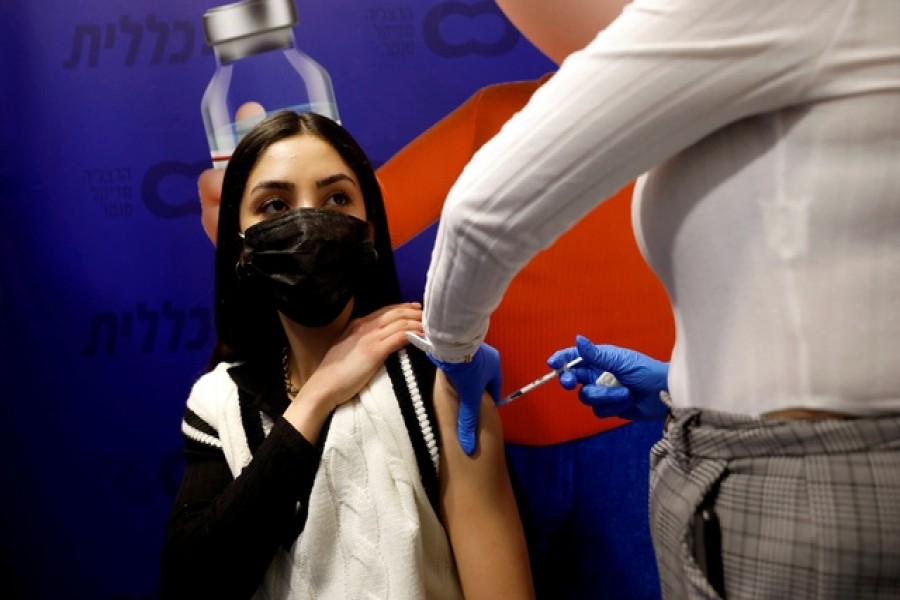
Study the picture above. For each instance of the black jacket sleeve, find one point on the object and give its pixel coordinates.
(223, 532)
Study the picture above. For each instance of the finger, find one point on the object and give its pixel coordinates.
(607, 403)
(601, 394)
(384, 316)
(392, 343)
(581, 375)
(209, 219)
(559, 358)
(209, 186)
(587, 350)
(398, 315)
(247, 116)
(386, 312)
(568, 380)
(467, 423)
(401, 326)
(384, 340)
(249, 109)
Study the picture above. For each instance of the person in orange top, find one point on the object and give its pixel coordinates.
(582, 480)
(541, 306)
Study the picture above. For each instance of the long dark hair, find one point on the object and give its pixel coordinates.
(247, 326)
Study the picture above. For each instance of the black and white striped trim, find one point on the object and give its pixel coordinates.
(419, 407)
(412, 378)
(198, 430)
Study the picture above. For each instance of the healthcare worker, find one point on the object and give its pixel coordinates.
(770, 137)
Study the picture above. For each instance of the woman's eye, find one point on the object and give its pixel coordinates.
(275, 205)
(338, 199)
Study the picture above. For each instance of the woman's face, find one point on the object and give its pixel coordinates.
(302, 171)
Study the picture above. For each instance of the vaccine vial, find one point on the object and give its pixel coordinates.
(259, 71)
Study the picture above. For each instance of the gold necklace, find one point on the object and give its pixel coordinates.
(289, 388)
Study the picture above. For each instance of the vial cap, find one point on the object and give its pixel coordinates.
(248, 17)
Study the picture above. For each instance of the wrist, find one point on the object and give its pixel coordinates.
(308, 412)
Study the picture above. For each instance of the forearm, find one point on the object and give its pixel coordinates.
(224, 532)
(479, 508)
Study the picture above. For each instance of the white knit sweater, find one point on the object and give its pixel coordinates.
(371, 531)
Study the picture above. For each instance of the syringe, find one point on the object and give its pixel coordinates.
(539, 382)
(606, 378)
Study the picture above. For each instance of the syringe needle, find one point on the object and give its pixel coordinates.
(539, 382)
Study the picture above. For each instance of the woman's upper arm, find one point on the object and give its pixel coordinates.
(478, 505)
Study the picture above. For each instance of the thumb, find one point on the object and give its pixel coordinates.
(209, 186)
(589, 352)
(617, 361)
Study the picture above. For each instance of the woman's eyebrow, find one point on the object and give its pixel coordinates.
(334, 179)
(273, 185)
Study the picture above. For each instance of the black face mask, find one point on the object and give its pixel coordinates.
(309, 261)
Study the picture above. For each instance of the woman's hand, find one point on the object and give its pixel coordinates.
(362, 349)
(350, 363)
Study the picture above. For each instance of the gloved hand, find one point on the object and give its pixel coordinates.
(642, 380)
(470, 380)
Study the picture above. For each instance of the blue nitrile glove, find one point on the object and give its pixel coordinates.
(641, 377)
(470, 380)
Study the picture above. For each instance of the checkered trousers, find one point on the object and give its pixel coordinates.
(799, 509)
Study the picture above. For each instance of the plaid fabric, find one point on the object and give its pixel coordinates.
(806, 509)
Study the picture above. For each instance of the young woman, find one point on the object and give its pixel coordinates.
(320, 449)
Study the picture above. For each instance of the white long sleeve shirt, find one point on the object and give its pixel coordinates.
(770, 211)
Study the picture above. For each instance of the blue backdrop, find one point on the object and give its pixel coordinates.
(105, 284)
